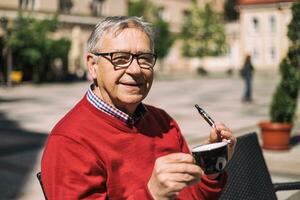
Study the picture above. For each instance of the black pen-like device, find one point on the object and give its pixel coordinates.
(207, 118)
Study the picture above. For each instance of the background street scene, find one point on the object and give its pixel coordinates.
(201, 48)
(28, 113)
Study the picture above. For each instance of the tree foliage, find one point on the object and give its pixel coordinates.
(163, 38)
(284, 101)
(294, 26)
(203, 33)
(139, 8)
(31, 46)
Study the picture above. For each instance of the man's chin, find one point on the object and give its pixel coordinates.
(132, 99)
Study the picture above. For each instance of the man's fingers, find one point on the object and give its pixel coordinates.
(172, 173)
(229, 136)
(177, 158)
(187, 178)
(219, 132)
(177, 181)
(180, 168)
(219, 126)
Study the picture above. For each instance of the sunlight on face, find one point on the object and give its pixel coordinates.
(124, 88)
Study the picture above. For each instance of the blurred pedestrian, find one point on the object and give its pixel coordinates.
(247, 74)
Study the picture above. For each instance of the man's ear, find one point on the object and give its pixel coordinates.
(92, 65)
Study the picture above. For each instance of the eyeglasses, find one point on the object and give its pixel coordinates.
(124, 59)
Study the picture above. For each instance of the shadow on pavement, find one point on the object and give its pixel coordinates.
(295, 140)
(14, 100)
(18, 154)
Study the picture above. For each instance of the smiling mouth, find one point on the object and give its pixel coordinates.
(133, 84)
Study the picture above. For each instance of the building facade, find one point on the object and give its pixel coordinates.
(263, 31)
(76, 17)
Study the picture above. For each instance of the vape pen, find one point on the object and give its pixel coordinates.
(207, 118)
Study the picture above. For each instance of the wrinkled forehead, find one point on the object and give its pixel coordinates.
(115, 31)
(129, 39)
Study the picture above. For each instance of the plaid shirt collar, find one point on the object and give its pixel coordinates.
(112, 111)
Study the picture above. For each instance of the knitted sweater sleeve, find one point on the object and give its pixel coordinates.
(70, 171)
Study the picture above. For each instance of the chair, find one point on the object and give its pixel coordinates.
(248, 175)
(41, 183)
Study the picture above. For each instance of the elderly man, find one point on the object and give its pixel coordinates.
(111, 145)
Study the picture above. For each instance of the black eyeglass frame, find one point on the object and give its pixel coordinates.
(104, 55)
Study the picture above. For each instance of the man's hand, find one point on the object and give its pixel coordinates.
(171, 173)
(220, 132)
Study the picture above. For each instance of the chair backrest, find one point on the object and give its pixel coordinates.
(248, 175)
(38, 175)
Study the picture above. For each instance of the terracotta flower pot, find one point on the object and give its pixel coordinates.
(275, 136)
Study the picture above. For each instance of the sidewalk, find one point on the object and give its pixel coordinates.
(28, 112)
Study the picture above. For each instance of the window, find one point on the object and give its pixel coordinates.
(255, 55)
(65, 6)
(272, 54)
(186, 14)
(163, 14)
(96, 7)
(272, 22)
(255, 24)
(160, 12)
(26, 4)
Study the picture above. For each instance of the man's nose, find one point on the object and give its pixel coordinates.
(134, 67)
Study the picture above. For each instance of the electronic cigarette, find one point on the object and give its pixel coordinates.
(208, 119)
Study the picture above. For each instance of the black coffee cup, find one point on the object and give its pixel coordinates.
(212, 158)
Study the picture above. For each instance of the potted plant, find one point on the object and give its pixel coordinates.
(276, 133)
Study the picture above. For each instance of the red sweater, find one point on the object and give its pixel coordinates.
(91, 155)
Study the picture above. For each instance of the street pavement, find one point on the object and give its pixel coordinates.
(28, 113)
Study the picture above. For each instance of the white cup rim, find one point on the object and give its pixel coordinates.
(208, 147)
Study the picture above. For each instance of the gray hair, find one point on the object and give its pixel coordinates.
(116, 25)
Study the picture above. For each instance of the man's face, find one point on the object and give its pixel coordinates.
(124, 88)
